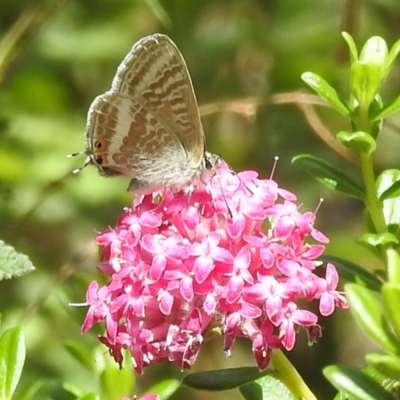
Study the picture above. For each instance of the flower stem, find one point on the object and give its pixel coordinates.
(372, 202)
(290, 377)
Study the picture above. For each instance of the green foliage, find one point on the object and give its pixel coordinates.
(12, 358)
(12, 263)
(329, 175)
(354, 384)
(223, 379)
(378, 317)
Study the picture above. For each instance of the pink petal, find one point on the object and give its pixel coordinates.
(150, 219)
(186, 289)
(202, 268)
(332, 276)
(222, 255)
(166, 303)
(284, 227)
(326, 304)
(304, 317)
(157, 267)
(235, 286)
(236, 226)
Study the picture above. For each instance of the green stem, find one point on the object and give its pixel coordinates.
(393, 265)
(372, 202)
(290, 377)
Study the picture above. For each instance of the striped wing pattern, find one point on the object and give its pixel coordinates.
(148, 126)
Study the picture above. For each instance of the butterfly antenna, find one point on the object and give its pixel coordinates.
(87, 161)
(224, 197)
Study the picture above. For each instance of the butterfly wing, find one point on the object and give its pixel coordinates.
(124, 138)
(154, 73)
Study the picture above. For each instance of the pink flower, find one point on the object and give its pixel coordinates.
(235, 254)
(146, 397)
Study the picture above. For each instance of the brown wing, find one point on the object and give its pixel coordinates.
(124, 138)
(154, 73)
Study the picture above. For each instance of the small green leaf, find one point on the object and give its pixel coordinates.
(29, 391)
(266, 388)
(165, 389)
(379, 239)
(74, 389)
(369, 314)
(355, 384)
(13, 263)
(12, 358)
(326, 91)
(392, 192)
(353, 272)
(381, 379)
(391, 302)
(223, 379)
(387, 364)
(391, 206)
(365, 82)
(388, 110)
(352, 47)
(360, 142)
(329, 175)
(375, 53)
(393, 53)
(89, 396)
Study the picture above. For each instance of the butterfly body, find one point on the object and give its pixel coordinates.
(147, 126)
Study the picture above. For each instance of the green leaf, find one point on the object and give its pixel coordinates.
(391, 302)
(355, 384)
(360, 142)
(387, 364)
(72, 388)
(326, 91)
(329, 175)
(388, 110)
(393, 53)
(112, 374)
(369, 314)
(386, 383)
(223, 379)
(12, 358)
(89, 396)
(353, 272)
(266, 388)
(29, 391)
(391, 206)
(392, 192)
(352, 47)
(379, 239)
(166, 388)
(13, 263)
(365, 82)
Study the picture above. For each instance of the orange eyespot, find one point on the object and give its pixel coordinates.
(100, 144)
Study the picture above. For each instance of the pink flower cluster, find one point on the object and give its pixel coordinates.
(230, 256)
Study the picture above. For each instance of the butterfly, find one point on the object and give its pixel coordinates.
(147, 126)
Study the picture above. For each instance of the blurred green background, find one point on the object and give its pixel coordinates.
(245, 58)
